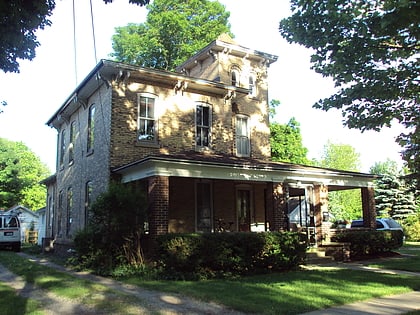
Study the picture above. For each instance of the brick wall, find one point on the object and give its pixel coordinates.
(158, 198)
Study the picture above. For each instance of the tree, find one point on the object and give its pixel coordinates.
(393, 197)
(344, 204)
(370, 49)
(20, 173)
(173, 32)
(286, 143)
(19, 21)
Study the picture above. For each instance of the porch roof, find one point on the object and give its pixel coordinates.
(224, 167)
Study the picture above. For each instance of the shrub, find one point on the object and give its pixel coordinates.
(113, 234)
(366, 242)
(412, 227)
(228, 254)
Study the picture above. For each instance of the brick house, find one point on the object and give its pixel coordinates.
(196, 140)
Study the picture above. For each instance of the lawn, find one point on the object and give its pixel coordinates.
(409, 259)
(13, 304)
(292, 292)
(278, 293)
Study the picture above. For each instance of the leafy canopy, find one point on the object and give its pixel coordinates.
(371, 50)
(20, 173)
(344, 204)
(172, 33)
(286, 143)
(19, 21)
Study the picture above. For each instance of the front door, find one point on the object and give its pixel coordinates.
(243, 208)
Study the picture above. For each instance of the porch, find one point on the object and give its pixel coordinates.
(198, 193)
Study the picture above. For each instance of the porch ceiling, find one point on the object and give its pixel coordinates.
(195, 165)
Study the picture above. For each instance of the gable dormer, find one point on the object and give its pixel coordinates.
(227, 62)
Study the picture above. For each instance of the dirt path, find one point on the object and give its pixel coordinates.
(150, 302)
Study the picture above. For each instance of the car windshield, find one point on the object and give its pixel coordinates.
(392, 223)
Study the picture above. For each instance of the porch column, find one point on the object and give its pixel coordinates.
(280, 219)
(158, 198)
(368, 206)
(321, 214)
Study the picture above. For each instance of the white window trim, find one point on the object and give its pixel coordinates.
(155, 126)
(209, 106)
(239, 154)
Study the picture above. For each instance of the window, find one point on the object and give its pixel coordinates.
(252, 87)
(235, 77)
(242, 136)
(91, 129)
(203, 207)
(62, 147)
(60, 213)
(69, 210)
(88, 199)
(71, 143)
(203, 125)
(146, 118)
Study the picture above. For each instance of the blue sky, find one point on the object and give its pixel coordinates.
(43, 84)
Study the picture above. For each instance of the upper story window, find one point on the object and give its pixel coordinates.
(71, 142)
(146, 120)
(251, 86)
(235, 76)
(91, 128)
(203, 125)
(62, 147)
(242, 136)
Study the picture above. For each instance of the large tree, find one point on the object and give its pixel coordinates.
(173, 32)
(371, 50)
(19, 21)
(20, 173)
(286, 143)
(344, 204)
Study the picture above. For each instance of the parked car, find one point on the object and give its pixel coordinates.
(381, 224)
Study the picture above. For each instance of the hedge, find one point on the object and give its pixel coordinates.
(368, 242)
(211, 255)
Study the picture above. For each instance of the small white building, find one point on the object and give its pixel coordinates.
(28, 220)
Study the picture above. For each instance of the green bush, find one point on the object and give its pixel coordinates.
(366, 243)
(412, 228)
(211, 255)
(114, 231)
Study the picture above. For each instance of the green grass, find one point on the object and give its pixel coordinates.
(279, 293)
(13, 304)
(62, 284)
(408, 261)
(292, 292)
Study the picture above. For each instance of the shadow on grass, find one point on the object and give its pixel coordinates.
(292, 292)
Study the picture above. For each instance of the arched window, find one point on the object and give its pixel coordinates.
(91, 129)
(235, 76)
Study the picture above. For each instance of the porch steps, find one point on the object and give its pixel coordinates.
(317, 255)
(327, 253)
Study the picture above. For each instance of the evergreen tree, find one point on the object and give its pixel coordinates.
(393, 197)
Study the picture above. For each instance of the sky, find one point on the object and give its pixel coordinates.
(61, 62)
